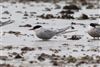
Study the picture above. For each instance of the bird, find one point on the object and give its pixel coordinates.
(46, 34)
(94, 31)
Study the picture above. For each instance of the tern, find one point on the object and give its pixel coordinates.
(94, 31)
(46, 34)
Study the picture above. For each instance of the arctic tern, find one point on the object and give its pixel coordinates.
(46, 34)
(94, 31)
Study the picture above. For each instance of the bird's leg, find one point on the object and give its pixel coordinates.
(72, 27)
(98, 38)
(94, 38)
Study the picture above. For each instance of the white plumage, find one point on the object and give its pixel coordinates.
(94, 31)
(46, 34)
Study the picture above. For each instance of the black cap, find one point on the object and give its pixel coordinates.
(93, 24)
(36, 27)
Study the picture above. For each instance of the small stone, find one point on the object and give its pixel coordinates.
(6, 65)
(18, 56)
(3, 57)
(40, 58)
(55, 63)
(27, 49)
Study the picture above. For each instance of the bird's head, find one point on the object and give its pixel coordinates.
(94, 24)
(36, 27)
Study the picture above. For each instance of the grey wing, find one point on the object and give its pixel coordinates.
(62, 30)
(50, 32)
(46, 34)
(98, 30)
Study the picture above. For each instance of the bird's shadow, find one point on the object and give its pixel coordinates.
(42, 40)
(94, 40)
(51, 40)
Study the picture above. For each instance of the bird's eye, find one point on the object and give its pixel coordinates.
(72, 28)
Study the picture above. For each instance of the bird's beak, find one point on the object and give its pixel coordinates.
(31, 29)
(98, 24)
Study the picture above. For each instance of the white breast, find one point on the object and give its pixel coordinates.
(94, 32)
(44, 33)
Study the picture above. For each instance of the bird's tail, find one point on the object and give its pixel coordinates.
(64, 29)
